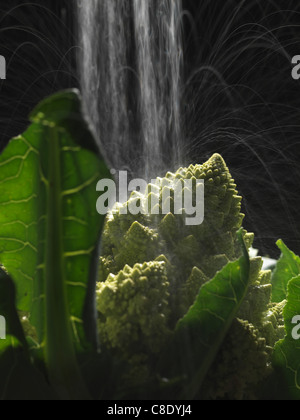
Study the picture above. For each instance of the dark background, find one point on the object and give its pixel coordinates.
(239, 97)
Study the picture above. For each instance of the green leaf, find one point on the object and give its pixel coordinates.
(201, 332)
(50, 230)
(287, 268)
(286, 357)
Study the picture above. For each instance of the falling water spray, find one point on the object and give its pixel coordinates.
(130, 71)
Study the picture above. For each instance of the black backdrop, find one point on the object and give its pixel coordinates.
(239, 96)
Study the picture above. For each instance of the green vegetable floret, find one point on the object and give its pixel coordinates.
(244, 360)
(241, 365)
(134, 309)
(152, 268)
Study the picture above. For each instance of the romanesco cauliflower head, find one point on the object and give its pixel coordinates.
(241, 365)
(153, 266)
(134, 310)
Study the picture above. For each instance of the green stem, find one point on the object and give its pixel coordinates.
(62, 365)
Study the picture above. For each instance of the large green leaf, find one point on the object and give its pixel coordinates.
(50, 229)
(287, 268)
(201, 332)
(286, 357)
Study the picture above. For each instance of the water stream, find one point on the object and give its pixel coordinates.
(130, 70)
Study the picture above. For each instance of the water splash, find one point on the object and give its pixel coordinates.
(130, 68)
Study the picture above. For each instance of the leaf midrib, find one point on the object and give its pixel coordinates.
(60, 353)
